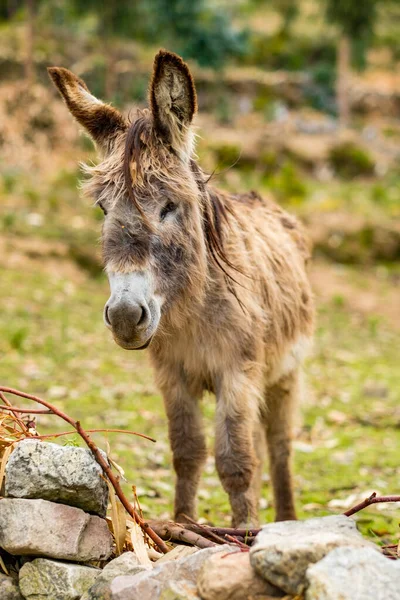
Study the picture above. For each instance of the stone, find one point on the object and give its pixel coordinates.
(179, 590)
(177, 553)
(64, 474)
(282, 551)
(157, 584)
(231, 577)
(42, 528)
(126, 564)
(44, 579)
(353, 574)
(9, 589)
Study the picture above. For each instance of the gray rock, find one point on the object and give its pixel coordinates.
(231, 577)
(9, 589)
(64, 474)
(354, 574)
(157, 584)
(126, 564)
(42, 528)
(44, 579)
(282, 551)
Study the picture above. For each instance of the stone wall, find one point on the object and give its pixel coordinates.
(52, 522)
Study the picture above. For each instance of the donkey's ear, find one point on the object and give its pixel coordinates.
(102, 121)
(173, 100)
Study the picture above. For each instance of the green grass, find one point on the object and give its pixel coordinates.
(53, 343)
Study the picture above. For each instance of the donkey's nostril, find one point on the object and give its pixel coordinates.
(143, 316)
(107, 316)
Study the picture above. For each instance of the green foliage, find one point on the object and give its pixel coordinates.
(197, 30)
(349, 161)
(293, 53)
(269, 161)
(115, 17)
(287, 184)
(355, 18)
(288, 10)
(357, 21)
(226, 155)
(211, 32)
(9, 179)
(72, 441)
(8, 9)
(320, 93)
(8, 221)
(86, 259)
(18, 337)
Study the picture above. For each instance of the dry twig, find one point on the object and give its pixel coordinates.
(372, 499)
(175, 532)
(28, 411)
(20, 423)
(207, 531)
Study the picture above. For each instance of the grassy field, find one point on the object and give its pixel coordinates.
(53, 343)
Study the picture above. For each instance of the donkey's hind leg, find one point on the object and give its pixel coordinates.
(282, 400)
(260, 452)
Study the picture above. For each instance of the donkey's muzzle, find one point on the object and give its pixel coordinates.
(132, 313)
(126, 317)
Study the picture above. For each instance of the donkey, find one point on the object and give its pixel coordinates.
(213, 283)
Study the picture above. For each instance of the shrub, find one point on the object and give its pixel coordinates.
(226, 155)
(287, 184)
(349, 161)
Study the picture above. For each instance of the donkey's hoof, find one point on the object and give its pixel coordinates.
(253, 524)
(182, 517)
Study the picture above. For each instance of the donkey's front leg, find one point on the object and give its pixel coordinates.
(188, 447)
(234, 451)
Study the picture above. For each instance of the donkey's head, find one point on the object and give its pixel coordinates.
(159, 219)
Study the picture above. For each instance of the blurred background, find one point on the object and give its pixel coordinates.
(299, 99)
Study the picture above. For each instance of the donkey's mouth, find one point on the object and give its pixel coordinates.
(146, 345)
(130, 346)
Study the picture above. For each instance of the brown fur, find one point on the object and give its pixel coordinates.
(237, 306)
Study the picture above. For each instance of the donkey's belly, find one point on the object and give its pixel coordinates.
(291, 360)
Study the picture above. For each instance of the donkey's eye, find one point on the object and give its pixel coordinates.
(102, 208)
(168, 208)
